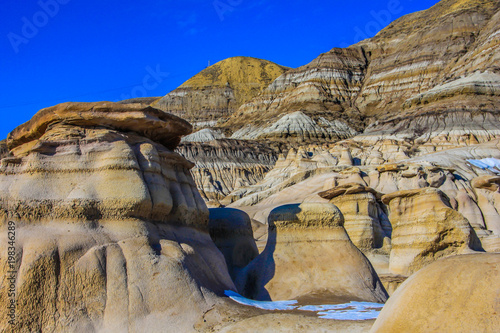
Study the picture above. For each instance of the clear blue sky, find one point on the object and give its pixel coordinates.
(54, 51)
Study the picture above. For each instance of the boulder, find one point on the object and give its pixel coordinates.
(454, 294)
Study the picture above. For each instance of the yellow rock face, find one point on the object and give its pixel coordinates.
(425, 228)
(455, 294)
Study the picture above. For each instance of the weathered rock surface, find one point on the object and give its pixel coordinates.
(204, 135)
(224, 166)
(424, 228)
(220, 89)
(487, 190)
(416, 83)
(455, 294)
(307, 252)
(300, 127)
(300, 178)
(428, 82)
(361, 212)
(324, 88)
(111, 233)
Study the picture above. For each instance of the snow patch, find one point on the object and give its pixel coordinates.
(276, 305)
(347, 311)
(491, 164)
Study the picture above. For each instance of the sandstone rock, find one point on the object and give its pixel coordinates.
(455, 294)
(359, 207)
(346, 157)
(425, 228)
(491, 183)
(308, 251)
(111, 233)
(392, 282)
(4, 151)
(394, 167)
(152, 123)
(231, 231)
(350, 188)
(488, 200)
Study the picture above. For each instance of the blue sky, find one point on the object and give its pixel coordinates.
(55, 51)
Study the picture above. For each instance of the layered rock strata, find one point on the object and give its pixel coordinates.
(326, 87)
(111, 233)
(361, 212)
(428, 76)
(298, 127)
(308, 252)
(223, 166)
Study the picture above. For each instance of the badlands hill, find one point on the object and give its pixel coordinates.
(433, 70)
(428, 81)
(360, 177)
(220, 89)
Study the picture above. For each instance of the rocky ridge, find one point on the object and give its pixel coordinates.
(412, 80)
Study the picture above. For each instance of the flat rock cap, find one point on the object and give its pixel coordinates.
(154, 124)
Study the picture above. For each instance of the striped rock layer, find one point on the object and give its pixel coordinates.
(111, 233)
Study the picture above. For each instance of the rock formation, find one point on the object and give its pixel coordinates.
(361, 212)
(307, 252)
(324, 88)
(453, 201)
(427, 75)
(223, 166)
(111, 233)
(219, 90)
(298, 127)
(425, 227)
(456, 294)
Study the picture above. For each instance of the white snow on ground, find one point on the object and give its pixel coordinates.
(491, 164)
(277, 305)
(348, 311)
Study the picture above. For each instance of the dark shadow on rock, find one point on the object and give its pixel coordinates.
(231, 231)
(252, 280)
